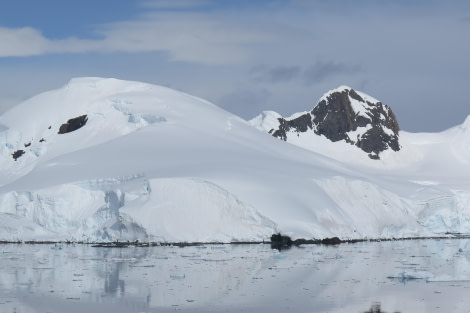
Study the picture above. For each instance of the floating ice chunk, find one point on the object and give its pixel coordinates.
(218, 247)
(161, 257)
(449, 278)
(279, 256)
(177, 276)
(191, 256)
(216, 259)
(121, 260)
(58, 246)
(414, 275)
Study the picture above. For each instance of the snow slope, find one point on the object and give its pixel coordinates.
(155, 164)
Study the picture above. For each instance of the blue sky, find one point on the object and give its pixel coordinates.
(249, 56)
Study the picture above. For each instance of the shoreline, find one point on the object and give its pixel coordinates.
(283, 242)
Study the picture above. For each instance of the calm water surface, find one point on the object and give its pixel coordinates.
(403, 276)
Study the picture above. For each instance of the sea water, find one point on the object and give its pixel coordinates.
(409, 276)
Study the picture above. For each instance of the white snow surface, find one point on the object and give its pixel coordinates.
(154, 164)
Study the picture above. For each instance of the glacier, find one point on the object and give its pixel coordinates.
(155, 164)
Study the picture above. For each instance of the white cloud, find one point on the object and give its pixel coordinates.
(26, 41)
(305, 50)
(22, 42)
(190, 37)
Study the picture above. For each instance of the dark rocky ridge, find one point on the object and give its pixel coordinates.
(73, 124)
(335, 118)
(17, 154)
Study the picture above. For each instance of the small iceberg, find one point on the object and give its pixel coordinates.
(58, 246)
(449, 278)
(177, 276)
(414, 275)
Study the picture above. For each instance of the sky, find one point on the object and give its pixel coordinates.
(249, 56)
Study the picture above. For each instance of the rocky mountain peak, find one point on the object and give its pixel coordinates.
(346, 115)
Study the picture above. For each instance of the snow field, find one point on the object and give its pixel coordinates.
(156, 164)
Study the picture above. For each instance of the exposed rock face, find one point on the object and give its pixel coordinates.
(331, 241)
(344, 114)
(73, 124)
(279, 242)
(17, 154)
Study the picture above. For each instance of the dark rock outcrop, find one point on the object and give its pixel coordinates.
(376, 308)
(17, 154)
(73, 124)
(331, 241)
(280, 242)
(346, 115)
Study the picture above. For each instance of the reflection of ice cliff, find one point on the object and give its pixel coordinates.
(235, 278)
(145, 277)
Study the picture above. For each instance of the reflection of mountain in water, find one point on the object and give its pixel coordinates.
(116, 261)
(230, 278)
(206, 274)
(376, 308)
(112, 283)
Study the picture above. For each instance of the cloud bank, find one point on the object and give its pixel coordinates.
(262, 55)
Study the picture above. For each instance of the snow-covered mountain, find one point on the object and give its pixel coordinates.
(341, 114)
(104, 159)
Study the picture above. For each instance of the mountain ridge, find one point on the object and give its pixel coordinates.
(344, 114)
(154, 164)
